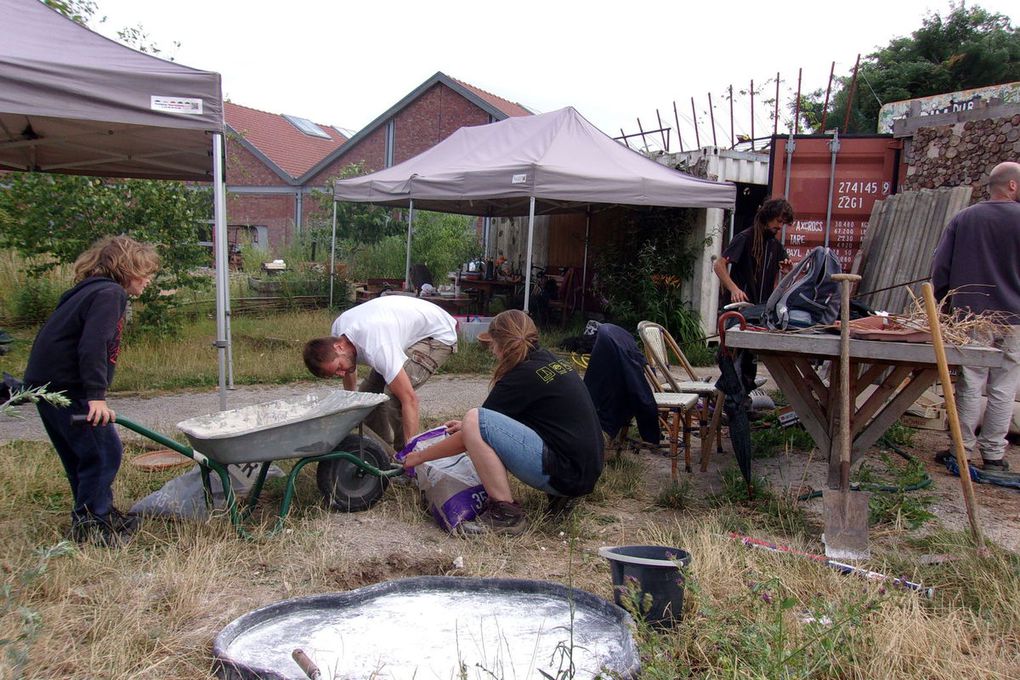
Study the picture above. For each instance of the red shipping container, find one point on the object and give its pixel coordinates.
(865, 171)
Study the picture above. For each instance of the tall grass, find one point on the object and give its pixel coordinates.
(151, 609)
(266, 350)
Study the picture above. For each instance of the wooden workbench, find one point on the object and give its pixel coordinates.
(902, 371)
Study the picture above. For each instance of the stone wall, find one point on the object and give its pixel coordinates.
(961, 154)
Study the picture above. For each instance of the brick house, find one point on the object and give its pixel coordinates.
(267, 156)
(275, 162)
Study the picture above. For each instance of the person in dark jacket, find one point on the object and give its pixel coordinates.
(537, 423)
(76, 352)
(976, 269)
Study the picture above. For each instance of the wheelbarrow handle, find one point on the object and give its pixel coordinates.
(82, 419)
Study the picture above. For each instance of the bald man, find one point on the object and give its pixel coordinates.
(977, 263)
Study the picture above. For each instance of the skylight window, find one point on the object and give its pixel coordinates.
(308, 127)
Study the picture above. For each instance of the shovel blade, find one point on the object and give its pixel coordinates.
(846, 525)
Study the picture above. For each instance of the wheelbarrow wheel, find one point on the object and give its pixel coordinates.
(345, 486)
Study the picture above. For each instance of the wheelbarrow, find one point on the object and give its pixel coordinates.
(353, 469)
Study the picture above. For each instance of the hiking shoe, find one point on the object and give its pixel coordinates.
(124, 522)
(102, 531)
(996, 465)
(942, 457)
(496, 517)
(561, 506)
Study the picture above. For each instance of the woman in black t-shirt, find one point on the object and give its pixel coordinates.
(537, 423)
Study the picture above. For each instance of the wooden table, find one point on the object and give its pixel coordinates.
(901, 371)
(453, 305)
(487, 288)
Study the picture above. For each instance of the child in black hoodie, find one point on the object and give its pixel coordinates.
(76, 351)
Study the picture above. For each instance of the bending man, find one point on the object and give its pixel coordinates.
(404, 340)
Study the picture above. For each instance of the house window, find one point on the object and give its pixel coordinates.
(390, 135)
(308, 127)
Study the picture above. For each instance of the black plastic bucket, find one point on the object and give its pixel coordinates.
(649, 570)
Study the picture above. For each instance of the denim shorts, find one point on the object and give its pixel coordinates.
(518, 447)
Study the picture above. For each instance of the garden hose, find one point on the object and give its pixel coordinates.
(883, 488)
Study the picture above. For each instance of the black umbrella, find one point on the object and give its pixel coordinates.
(734, 384)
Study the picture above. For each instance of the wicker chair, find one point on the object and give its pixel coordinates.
(672, 372)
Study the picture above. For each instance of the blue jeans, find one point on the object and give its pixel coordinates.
(518, 446)
(91, 456)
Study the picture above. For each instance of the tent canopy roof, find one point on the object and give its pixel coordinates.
(560, 158)
(75, 102)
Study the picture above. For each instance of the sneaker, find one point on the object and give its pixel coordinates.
(496, 517)
(560, 507)
(996, 465)
(942, 457)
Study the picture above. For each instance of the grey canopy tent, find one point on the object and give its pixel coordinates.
(75, 102)
(549, 163)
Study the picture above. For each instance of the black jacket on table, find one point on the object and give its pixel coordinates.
(546, 394)
(76, 349)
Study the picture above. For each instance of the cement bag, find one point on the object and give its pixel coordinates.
(184, 496)
(421, 441)
(452, 489)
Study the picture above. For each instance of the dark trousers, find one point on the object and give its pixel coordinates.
(91, 457)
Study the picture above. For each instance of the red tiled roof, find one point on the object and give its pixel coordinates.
(291, 150)
(506, 106)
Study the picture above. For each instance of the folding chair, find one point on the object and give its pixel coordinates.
(672, 372)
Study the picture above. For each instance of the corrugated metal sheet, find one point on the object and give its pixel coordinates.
(898, 247)
(865, 172)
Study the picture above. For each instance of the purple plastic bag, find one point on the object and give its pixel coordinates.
(421, 441)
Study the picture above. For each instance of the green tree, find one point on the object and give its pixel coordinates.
(970, 47)
(55, 217)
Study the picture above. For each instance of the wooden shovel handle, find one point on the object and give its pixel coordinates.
(307, 665)
(846, 282)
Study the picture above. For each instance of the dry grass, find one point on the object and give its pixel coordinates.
(151, 609)
(959, 327)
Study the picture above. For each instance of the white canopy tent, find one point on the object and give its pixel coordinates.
(549, 163)
(75, 102)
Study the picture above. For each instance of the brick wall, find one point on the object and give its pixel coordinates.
(961, 154)
(426, 121)
(245, 169)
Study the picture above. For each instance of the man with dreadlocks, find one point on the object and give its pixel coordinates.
(756, 256)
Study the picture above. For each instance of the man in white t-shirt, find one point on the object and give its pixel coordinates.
(404, 340)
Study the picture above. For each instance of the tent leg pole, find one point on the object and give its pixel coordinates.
(527, 272)
(407, 264)
(222, 276)
(584, 269)
(332, 257)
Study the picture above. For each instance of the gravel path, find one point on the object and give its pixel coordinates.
(441, 397)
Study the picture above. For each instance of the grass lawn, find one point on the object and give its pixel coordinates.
(152, 608)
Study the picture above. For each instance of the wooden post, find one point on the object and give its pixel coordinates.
(694, 113)
(775, 112)
(752, 115)
(662, 132)
(850, 96)
(711, 118)
(732, 142)
(796, 113)
(828, 88)
(676, 117)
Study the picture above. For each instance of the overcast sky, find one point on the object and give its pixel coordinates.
(344, 62)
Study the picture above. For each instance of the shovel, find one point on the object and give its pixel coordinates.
(846, 512)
